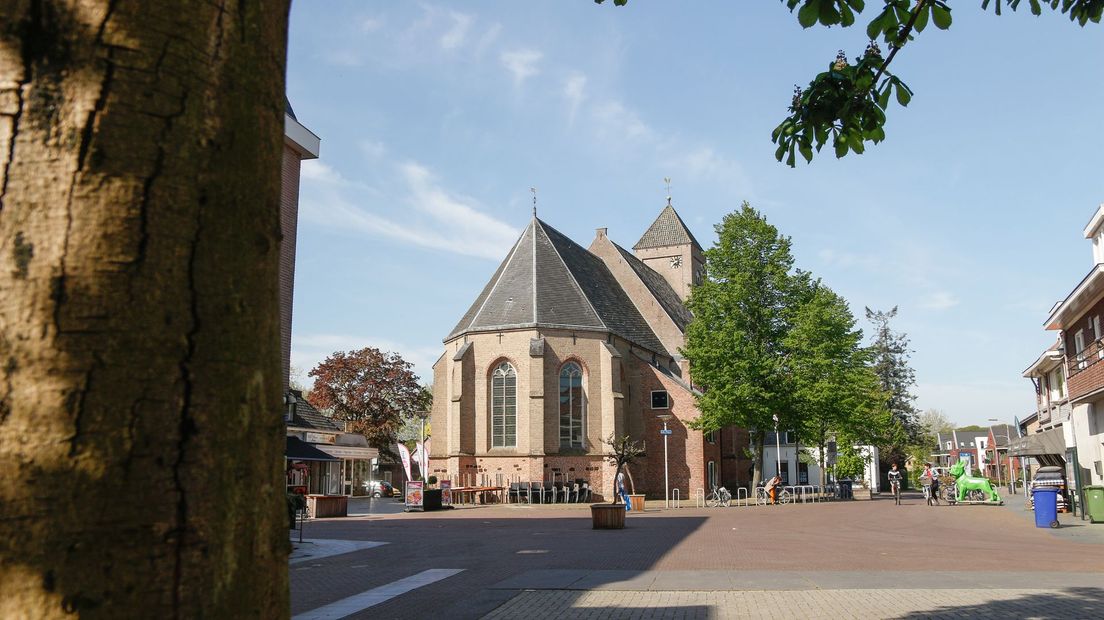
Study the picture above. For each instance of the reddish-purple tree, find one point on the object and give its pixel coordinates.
(372, 389)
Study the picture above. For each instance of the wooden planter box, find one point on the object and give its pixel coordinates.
(327, 506)
(607, 516)
(637, 502)
(860, 493)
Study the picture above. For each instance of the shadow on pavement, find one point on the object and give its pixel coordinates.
(1062, 605)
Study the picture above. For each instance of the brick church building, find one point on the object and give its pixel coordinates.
(566, 346)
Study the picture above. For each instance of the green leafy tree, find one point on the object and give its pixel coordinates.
(890, 362)
(847, 103)
(735, 342)
(836, 391)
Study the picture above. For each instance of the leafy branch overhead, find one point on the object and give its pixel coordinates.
(847, 103)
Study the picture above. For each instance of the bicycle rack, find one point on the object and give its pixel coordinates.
(741, 494)
(699, 498)
(676, 498)
(793, 494)
(805, 497)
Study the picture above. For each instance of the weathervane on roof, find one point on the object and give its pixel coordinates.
(534, 190)
(667, 180)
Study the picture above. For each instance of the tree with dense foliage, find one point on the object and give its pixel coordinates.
(372, 389)
(890, 363)
(140, 375)
(836, 393)
(735, 342)
(847, 103)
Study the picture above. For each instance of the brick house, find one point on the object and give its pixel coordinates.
(1080, 347)
(960, 445)
(566, 346)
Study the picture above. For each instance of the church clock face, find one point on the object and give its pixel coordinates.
(676, 262)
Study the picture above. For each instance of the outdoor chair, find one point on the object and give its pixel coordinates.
(571, 492)
(584, 492)
(559, 492)
(514, 494)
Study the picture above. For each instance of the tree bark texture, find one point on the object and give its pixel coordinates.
(140, 429)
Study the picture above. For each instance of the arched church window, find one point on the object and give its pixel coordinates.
(572, 406)
(504, 406)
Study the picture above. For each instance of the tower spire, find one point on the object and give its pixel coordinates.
(534, 190)
(667, 180)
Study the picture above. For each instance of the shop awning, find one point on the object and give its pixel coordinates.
(1046, 442)
(348, 452)
(299, 450)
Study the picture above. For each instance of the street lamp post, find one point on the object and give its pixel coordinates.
(777, 447)
(664, 417)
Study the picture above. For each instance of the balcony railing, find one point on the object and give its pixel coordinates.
(1084, 360)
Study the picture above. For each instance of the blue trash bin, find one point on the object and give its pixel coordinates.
(1046, 506)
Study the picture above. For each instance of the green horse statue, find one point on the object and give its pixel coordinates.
(965, 484)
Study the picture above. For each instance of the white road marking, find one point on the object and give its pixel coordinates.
(375, 596)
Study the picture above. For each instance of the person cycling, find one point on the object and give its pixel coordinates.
(895, 483)
(931, 484)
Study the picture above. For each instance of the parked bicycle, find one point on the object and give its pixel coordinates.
(762, 499)
(719, 497)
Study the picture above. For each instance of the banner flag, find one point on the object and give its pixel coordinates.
(405, 455)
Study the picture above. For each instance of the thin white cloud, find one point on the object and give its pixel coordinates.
(620, 124)
(458, 33)
(372, 149)
(488, 39)
(940, 300)
(436, 218)
(522, 63)
(371, 24)
(574, 91)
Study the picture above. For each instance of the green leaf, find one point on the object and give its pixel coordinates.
(941, 15)
(904, 96)
(780, 152)
(883, 97)
(847, 16)
(791, 161)
(841, 147)
(858, 5)
(809, 13)
(806, 152)
(874, 28)
(922, 18)
(829, 16)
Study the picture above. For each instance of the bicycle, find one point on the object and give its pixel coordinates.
(895, 486)
(720, 497)
(928, 497)
(782, 496)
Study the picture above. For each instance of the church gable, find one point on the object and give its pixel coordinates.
(549, 280)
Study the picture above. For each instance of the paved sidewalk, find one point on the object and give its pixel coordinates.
(828, 604)
(853, 559)
(1073, 528)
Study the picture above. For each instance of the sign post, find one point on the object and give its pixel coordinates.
(666, 432)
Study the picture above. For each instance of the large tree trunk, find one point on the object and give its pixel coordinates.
(757, 439)
(140, 427)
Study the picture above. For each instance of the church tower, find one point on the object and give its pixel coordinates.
(671, 250)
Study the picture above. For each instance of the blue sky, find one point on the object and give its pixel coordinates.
(437, 118)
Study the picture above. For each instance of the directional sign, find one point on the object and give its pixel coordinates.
(666, 431)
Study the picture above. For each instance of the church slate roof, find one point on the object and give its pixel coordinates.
(667, 229)
(660, 289)
(548, 280)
